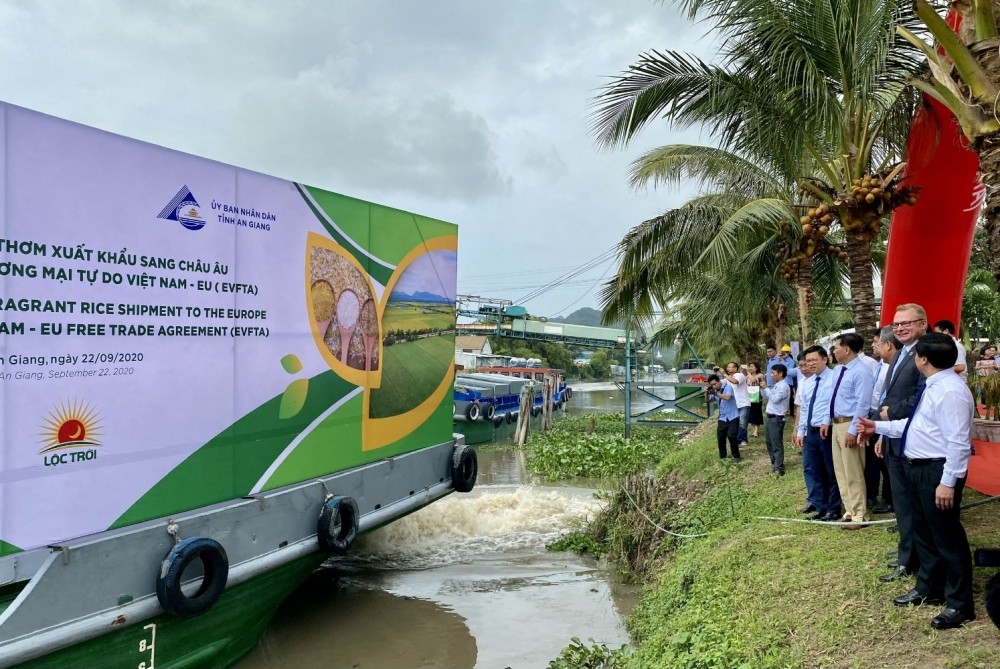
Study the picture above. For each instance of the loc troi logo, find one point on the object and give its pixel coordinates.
(71, 426)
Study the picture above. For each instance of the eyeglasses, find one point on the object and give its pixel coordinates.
(906, 324)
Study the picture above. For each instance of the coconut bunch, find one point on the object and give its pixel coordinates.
(811, 243)
(873, 196)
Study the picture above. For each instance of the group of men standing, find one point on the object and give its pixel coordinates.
(910, 409)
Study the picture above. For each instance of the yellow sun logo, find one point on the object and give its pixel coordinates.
(71, 426)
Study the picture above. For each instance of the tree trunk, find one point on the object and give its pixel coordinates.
(803, 286)
(780, 322)
(859, 263)
(989, 170)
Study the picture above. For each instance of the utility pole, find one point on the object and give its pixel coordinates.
(628, 376)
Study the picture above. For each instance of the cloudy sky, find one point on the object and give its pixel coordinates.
(472, 112)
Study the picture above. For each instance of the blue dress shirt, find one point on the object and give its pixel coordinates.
(727, 408)
(822, 386)
(854, 394)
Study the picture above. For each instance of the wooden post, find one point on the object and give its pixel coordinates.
(524, 415)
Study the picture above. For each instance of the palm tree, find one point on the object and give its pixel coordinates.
(966, 80)
(748, 219)
(816, 89)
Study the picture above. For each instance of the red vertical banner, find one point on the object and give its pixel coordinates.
(930, 242)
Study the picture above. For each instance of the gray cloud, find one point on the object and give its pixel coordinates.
(471, 112)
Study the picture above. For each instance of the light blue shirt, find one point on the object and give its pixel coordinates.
(822, 386)
(854, 394)
(727, 408)
(777, 398)
(794, 377)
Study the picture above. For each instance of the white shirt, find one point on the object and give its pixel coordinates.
(883, 371)
(872, 364)
(961, 359)
(740, 391)
(942, 425)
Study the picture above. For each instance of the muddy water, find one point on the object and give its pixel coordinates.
(463, 583)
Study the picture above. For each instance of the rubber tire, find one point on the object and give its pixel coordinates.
(535, 411)
(473, 412)
(489, 412)
(498, 421)
(509, 417)
(168, 581)
(342, 510)
(992, 590)
(569, 394)
(464, 469)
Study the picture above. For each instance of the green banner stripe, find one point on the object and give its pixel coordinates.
(7, 549)
(378, 271)
(246, 448)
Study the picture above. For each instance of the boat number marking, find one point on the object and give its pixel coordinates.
(148, 646)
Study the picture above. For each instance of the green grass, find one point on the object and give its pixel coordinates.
(758, 594)
(410, 374)
(409, 316)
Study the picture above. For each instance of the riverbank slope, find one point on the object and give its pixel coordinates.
(761, 594)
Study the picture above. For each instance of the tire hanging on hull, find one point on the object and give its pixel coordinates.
(338, 524)
(215, 564)
(464, 469)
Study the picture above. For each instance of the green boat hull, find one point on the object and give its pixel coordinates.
(215, 640)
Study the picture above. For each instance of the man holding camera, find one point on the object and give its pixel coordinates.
(729, 417)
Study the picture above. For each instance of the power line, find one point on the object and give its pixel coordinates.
(590, 264)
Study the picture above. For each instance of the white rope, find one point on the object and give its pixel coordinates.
(654, 524)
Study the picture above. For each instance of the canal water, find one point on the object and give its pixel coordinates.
(466, 582)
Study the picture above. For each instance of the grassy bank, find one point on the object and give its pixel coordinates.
(757, 594)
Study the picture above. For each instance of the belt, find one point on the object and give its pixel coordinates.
(775, 415)
(842, 419)
(922, 461)
(814, 429)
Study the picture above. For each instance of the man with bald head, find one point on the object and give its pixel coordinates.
(899, 394)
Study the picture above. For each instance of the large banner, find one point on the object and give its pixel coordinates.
(177, 332)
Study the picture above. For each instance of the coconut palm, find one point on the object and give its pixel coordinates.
(967, 81)
(814, 88)
(747, 219)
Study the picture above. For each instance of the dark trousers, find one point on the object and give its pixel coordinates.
(902, 504)
(939, 538)
(876, 473)
(817, 467)
(728, 430)
(774, 434)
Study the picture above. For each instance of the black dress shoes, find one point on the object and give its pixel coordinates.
(832, 516)
(897, 573)
(819, 515)
(915, 598)
(951, 618)
(809, 509)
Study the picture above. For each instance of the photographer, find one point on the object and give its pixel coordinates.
(729, 417)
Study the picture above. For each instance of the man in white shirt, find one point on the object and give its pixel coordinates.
(948, 328)
(738, 381)
(934, 446)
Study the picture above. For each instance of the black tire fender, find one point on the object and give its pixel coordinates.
(498, 421)
(338, 524)
(464, 469)
(215, 564)
(489, 412)
(473, 411)
(510, 417)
